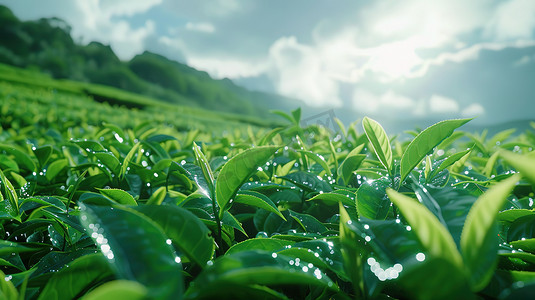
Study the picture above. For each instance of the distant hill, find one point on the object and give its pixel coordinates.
(47, 46)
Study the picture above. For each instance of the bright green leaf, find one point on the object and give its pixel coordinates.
(118, 196)
(380, 142)
(118, 289)
(237, 170)
(522, 163)
(478, 239)
(258, 200)
(431, 233)
(424, 142)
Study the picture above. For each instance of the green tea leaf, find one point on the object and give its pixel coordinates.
(527, 245)
(127, 159)
(135, 247)
(478, 240)
(308, 182)
(109, 160)
(380, 142)
(450, 161)
(258, 200)
(184, 229)
(230, 220)
(308, 222)
(43, 154)
(21, 158)
(522, 163)
(489, 166)
(72, 282)
(522, 228)
(208, 175)
(351, 163)
(7, 289)
(352, 253)
(55, 168)
(333, 198)
(372, 201)
(119, 289)
(318, 159)
(434, 278)
(265, 244)
(117, 131)
(424, 142)
(237, 170)
(11, 197)
(431, 233)
(257, 268)
(118, 196)
(157, 197)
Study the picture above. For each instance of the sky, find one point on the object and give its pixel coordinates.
(388, 59)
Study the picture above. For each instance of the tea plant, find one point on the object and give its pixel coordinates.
(142, 209)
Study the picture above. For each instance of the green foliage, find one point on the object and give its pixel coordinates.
(424, 142)
(379, 140)
(100, 201)
(47, 44)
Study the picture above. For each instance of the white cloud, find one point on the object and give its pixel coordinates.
(97, 20)
(513, 19)
(524, 60)
(367, 102)
(473, 110)
(440, 104)
(123, 7)
(297, 71)
(200, 27)
(229, 68)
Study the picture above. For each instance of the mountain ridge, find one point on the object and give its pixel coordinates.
(46, 45)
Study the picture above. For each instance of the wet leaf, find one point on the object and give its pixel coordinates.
(185, 230)
(118, 196)
(379, 141)
(424, 142)
(237, 170)
(432, 234)
(135, 247)
(257, 267)
(479, 239)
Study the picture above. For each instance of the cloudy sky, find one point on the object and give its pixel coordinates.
(388, 59)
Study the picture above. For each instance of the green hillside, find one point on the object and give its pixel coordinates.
(47, 46)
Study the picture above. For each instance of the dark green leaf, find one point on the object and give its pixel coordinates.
(522, 228)
(372, 201)
(186, 231)
(72, 282)
(135, 247)
(351, 163)
(21, 158)
(265, 244)
(308, 182)
(257, 267)
(431, 233)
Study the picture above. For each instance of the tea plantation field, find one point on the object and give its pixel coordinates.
(162, 202)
